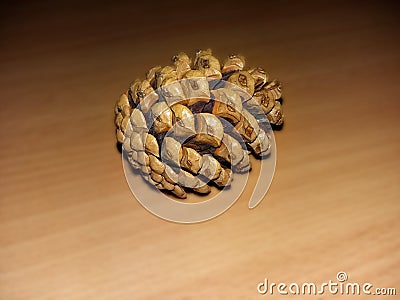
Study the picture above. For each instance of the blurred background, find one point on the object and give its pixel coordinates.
(69, 225)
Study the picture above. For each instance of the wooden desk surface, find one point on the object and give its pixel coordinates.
(69, 226)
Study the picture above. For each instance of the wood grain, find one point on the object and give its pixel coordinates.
(69, 226)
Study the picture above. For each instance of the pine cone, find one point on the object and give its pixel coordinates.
(188, 126)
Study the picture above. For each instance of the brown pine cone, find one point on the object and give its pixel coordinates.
(187, 126)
